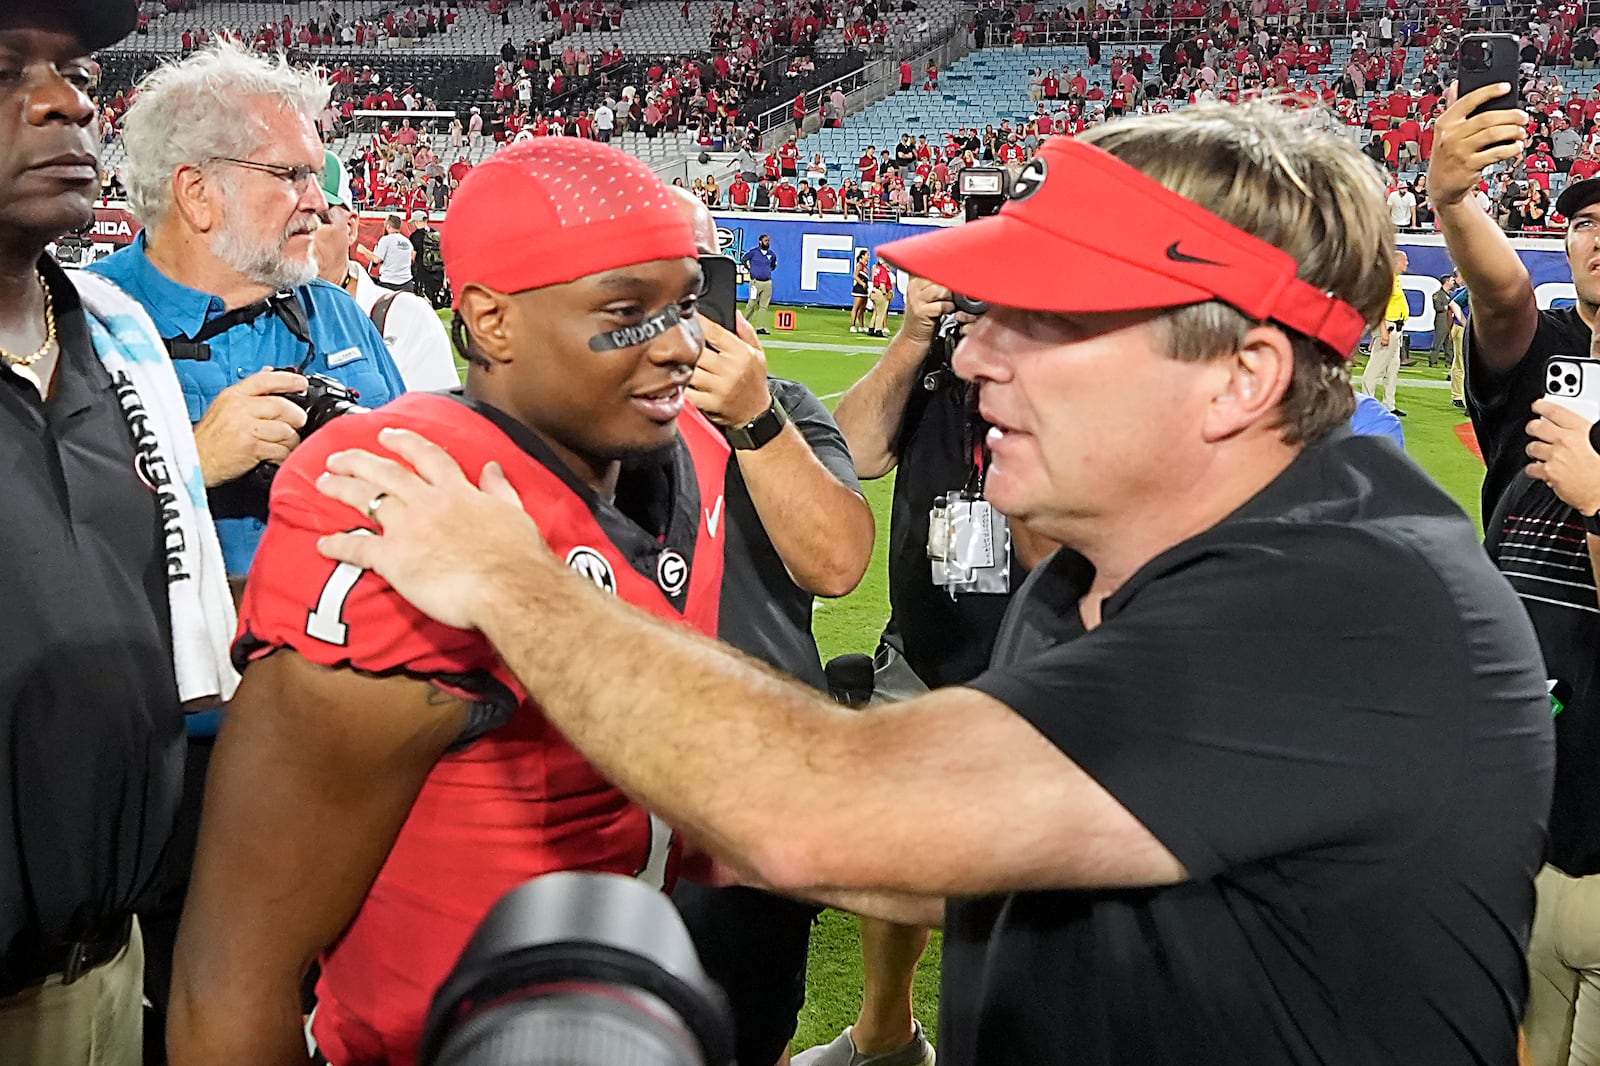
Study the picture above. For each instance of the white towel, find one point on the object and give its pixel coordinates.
(203, 620)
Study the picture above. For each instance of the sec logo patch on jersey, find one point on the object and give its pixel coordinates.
(594, 566)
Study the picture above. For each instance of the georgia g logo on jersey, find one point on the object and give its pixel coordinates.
(592, 565)
(672, 573)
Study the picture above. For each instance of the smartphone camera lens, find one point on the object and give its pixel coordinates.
(1571, 381)
(1475, 56)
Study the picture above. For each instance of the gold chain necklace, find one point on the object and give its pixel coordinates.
(25, 361)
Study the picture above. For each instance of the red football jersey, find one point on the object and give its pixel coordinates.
(518, 800)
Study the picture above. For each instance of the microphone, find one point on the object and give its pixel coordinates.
(850, 679)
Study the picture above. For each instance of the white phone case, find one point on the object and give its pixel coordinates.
(1574, 383)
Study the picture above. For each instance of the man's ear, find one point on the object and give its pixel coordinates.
(487, 316)
(1250, 384)
(198, 197)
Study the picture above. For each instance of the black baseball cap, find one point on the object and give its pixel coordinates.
(1577, 195)
(99, 23)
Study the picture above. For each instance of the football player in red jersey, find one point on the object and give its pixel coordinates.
(380, 782)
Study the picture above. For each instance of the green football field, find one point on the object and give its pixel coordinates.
(826, 356)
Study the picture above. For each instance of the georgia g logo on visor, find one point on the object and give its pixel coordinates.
(1029, 179)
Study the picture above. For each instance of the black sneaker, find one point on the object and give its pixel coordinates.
(762, 331)
(1459, 403)
(1397, 411)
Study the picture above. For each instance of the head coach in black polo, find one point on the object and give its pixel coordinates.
(103, 549)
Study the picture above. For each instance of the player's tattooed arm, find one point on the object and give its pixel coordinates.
(310, 781)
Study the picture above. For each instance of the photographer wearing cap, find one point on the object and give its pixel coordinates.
(116, 603)
(1539, 526)
(1196, 810)
(224, 170)
(415, 336)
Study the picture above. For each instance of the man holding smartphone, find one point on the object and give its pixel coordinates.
(1541, 532)
(798, 528)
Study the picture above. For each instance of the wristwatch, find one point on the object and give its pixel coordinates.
(1591, 523)
(760, 429)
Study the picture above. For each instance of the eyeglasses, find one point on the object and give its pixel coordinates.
(299, 176)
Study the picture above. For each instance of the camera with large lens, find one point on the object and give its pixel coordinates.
(579, 969)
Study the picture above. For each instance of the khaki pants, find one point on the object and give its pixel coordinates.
(759, 301)
(879, 299)
(1458, 370)
(98, 1020)
(1383, 366)
(1563, 1020)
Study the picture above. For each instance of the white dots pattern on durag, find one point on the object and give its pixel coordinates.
(568, 172)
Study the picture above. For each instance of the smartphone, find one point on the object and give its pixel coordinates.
(1484, 59)
(1574, 383)
(719, 299)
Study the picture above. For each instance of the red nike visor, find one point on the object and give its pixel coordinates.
(1085, 232)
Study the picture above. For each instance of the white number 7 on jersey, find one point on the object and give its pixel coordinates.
(326, 620)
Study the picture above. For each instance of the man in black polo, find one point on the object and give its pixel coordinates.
(798, 527)
(910, 414)
(91, 728)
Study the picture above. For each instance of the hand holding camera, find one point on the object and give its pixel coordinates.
(926, 305)
(250, 423)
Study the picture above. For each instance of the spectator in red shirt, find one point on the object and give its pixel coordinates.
(769, 166)
(785, 195)
(739, 192)
(789, 159)
(1584, 165)
(868, 165)
(907, 74)
(827, 198)
(1540, 165)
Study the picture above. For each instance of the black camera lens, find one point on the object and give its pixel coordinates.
(579, 969)
(968, 304)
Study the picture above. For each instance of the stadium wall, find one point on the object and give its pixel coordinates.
(815, 257)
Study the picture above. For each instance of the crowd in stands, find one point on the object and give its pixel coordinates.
(1239, 55)
(555, 84)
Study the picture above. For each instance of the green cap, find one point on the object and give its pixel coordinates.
(335, 181)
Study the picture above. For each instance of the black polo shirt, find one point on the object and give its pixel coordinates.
(91, 733)
(764, 613)
(945, 640)
(1361, 829)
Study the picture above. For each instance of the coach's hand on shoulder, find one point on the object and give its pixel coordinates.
(730, 382)
(421, 502)
(1563, 455)
(1464, 144)
(249, 423)
(926, 304)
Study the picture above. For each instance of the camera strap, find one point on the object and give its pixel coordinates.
(287, 306)
(973, 446)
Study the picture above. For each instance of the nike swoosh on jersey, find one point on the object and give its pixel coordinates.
(714, 517)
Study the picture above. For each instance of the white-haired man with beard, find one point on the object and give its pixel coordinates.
(224, 170)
